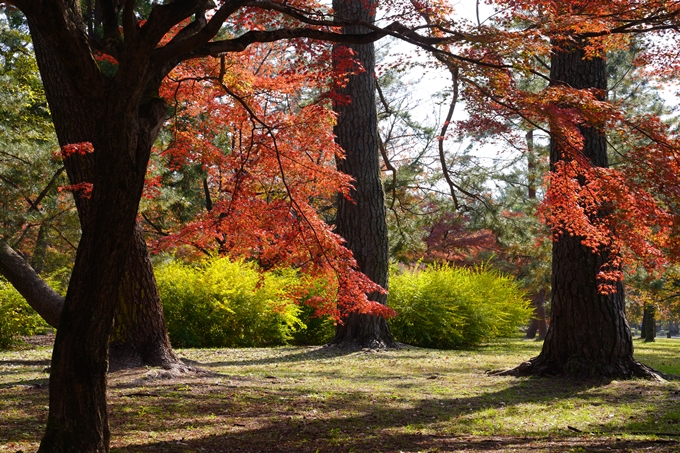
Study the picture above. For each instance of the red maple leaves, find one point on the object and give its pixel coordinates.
(261, 129)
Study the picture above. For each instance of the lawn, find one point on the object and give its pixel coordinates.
(314, 399)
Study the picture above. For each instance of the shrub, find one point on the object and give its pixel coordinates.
(16, 316)
(220, 302)
(317, 330)
(450, 307)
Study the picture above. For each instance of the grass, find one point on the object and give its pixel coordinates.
(317, 400)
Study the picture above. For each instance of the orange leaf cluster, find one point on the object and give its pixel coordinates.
(261, 129)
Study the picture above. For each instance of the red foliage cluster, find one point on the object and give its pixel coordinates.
(261, 128)
(630, 210)
(81, 148)
(450, 240)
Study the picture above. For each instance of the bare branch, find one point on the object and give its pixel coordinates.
(47, 188)
(442, 134)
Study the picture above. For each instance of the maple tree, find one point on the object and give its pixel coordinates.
(587, 204)
(264, 156)
(120, 113)
(600, 217)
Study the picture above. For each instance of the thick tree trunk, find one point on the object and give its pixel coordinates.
(361, 221)
(139, 333)
(588, 334)
(78, 419)
(140, 336)
(121, 119)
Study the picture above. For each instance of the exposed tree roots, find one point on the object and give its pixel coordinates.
(373, 344)
(580, 368)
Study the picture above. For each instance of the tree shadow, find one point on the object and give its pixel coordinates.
(278, 413)
(311, 354)
(19, 362)
(307, 426)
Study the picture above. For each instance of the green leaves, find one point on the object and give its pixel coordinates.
(451, 307)
(220, 302)
(16, 316)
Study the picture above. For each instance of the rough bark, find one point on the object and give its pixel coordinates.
(43, 299)
(140, 336)
(139, 333)
(122, 123)
(361, 221)
(78, 418)
(588, 334)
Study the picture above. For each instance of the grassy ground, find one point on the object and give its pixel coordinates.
(317, 400)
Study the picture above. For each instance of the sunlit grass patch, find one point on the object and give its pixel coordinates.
(317, 399)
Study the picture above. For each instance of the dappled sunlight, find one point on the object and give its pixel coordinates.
(306, 400)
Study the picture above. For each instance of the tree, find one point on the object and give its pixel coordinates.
(360, 218)
(139, 336)
(257, 169)
(124, 115)
(598, 341)
(588, 206)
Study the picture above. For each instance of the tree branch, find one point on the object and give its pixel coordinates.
(43, 299)
(47, 188)
(164, 17)
(60, 25)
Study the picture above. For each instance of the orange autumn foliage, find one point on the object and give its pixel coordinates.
(630, 209)
(262, 130)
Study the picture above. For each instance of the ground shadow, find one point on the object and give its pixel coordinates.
(310, 353)
(253, 428)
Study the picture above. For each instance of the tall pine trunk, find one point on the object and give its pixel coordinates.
(361, 221)
(649, 323)
(139, 336)
(121, 118)
(588, 334)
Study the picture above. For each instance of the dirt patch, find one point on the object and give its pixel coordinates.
(46, 340)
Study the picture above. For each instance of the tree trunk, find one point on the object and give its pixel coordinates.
(140, 336)
(361, 221)
(588, 334)
(122, 139)
(538, 323)
(649, 331)
(139, 333)
(121, 117)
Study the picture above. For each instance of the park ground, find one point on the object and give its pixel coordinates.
(314, 399)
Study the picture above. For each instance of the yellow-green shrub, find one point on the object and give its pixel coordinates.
(220, 302)
(316, 330)
(16, 316)
(450, 307)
